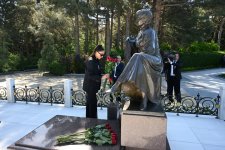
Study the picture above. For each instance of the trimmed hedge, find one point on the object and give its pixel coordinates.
(200, 60)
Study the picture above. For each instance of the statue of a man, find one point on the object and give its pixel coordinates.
(144, 68)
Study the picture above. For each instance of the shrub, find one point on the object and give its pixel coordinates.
(57, 68)
(28, 63)
(165, 47)
(78, 64)
(116, 52)
(42, 64)
(200, 60)
(12, 63)
(203, 46)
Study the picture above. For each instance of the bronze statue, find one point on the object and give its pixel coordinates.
(141, 78)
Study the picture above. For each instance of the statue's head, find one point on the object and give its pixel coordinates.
(144, 16)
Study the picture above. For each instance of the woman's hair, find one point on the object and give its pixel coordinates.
(97, 49)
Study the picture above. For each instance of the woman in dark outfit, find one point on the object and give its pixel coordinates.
(92, 80)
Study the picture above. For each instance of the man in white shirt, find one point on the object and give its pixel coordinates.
(118, 69)
(173, 77)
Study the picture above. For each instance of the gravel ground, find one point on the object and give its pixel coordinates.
(34, 78)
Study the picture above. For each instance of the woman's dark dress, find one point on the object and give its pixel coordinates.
(91, 85)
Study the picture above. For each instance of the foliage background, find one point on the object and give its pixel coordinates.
(58, 35)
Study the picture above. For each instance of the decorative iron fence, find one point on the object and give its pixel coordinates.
(193, 105)
(3, 93)
(103, 98)
(78, 97)
(53, 96)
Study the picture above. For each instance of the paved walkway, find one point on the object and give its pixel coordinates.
(206, 82)
(184, 132)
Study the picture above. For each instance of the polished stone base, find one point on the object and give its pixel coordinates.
(44, 137)
(144, 130)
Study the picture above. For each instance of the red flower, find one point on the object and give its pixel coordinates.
(113, 134)
(113, 141)
(113, 137)
(107, 125)
(110, 80)
(110, 59)
(110, 130)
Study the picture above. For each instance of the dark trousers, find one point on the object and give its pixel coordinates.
(173, 83)
(91, 105)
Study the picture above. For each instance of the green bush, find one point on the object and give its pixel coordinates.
(1, 65)
(56, 68)
(79, 64)
(200, 60)
(116, 52)
(165, 47)
(28, 63)
(12, 63)
(203, 46)
(42, 64)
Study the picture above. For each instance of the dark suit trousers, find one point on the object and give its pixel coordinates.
(173, 83)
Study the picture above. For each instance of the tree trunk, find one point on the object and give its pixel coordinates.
(97, 30)
(86, 38)
(77, 36)
(86, 34)
(127, 34)
(220, 31)
(157, 6)
(111, 33)
(161, 28)
(107, 35)
(117, 44)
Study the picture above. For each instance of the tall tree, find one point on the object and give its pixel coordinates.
(215, 9)
(157, 7)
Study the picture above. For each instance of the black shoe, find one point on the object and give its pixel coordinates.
(171, 100)
(178, 98)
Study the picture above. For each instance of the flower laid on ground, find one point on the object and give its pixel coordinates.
(100, 135)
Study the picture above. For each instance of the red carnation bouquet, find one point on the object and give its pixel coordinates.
(100, 135)
(111, 59)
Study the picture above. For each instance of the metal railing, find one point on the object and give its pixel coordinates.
(52, 96)
(192, 105)
(103, 98)
(3, 93)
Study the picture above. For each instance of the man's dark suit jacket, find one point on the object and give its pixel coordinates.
(119, 70)
(176, 70)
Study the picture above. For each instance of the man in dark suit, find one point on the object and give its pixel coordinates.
(118, 69)
(173, 76)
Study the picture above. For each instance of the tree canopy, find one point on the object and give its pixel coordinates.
(48, 32)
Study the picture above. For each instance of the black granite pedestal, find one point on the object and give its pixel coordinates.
(44, 137)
